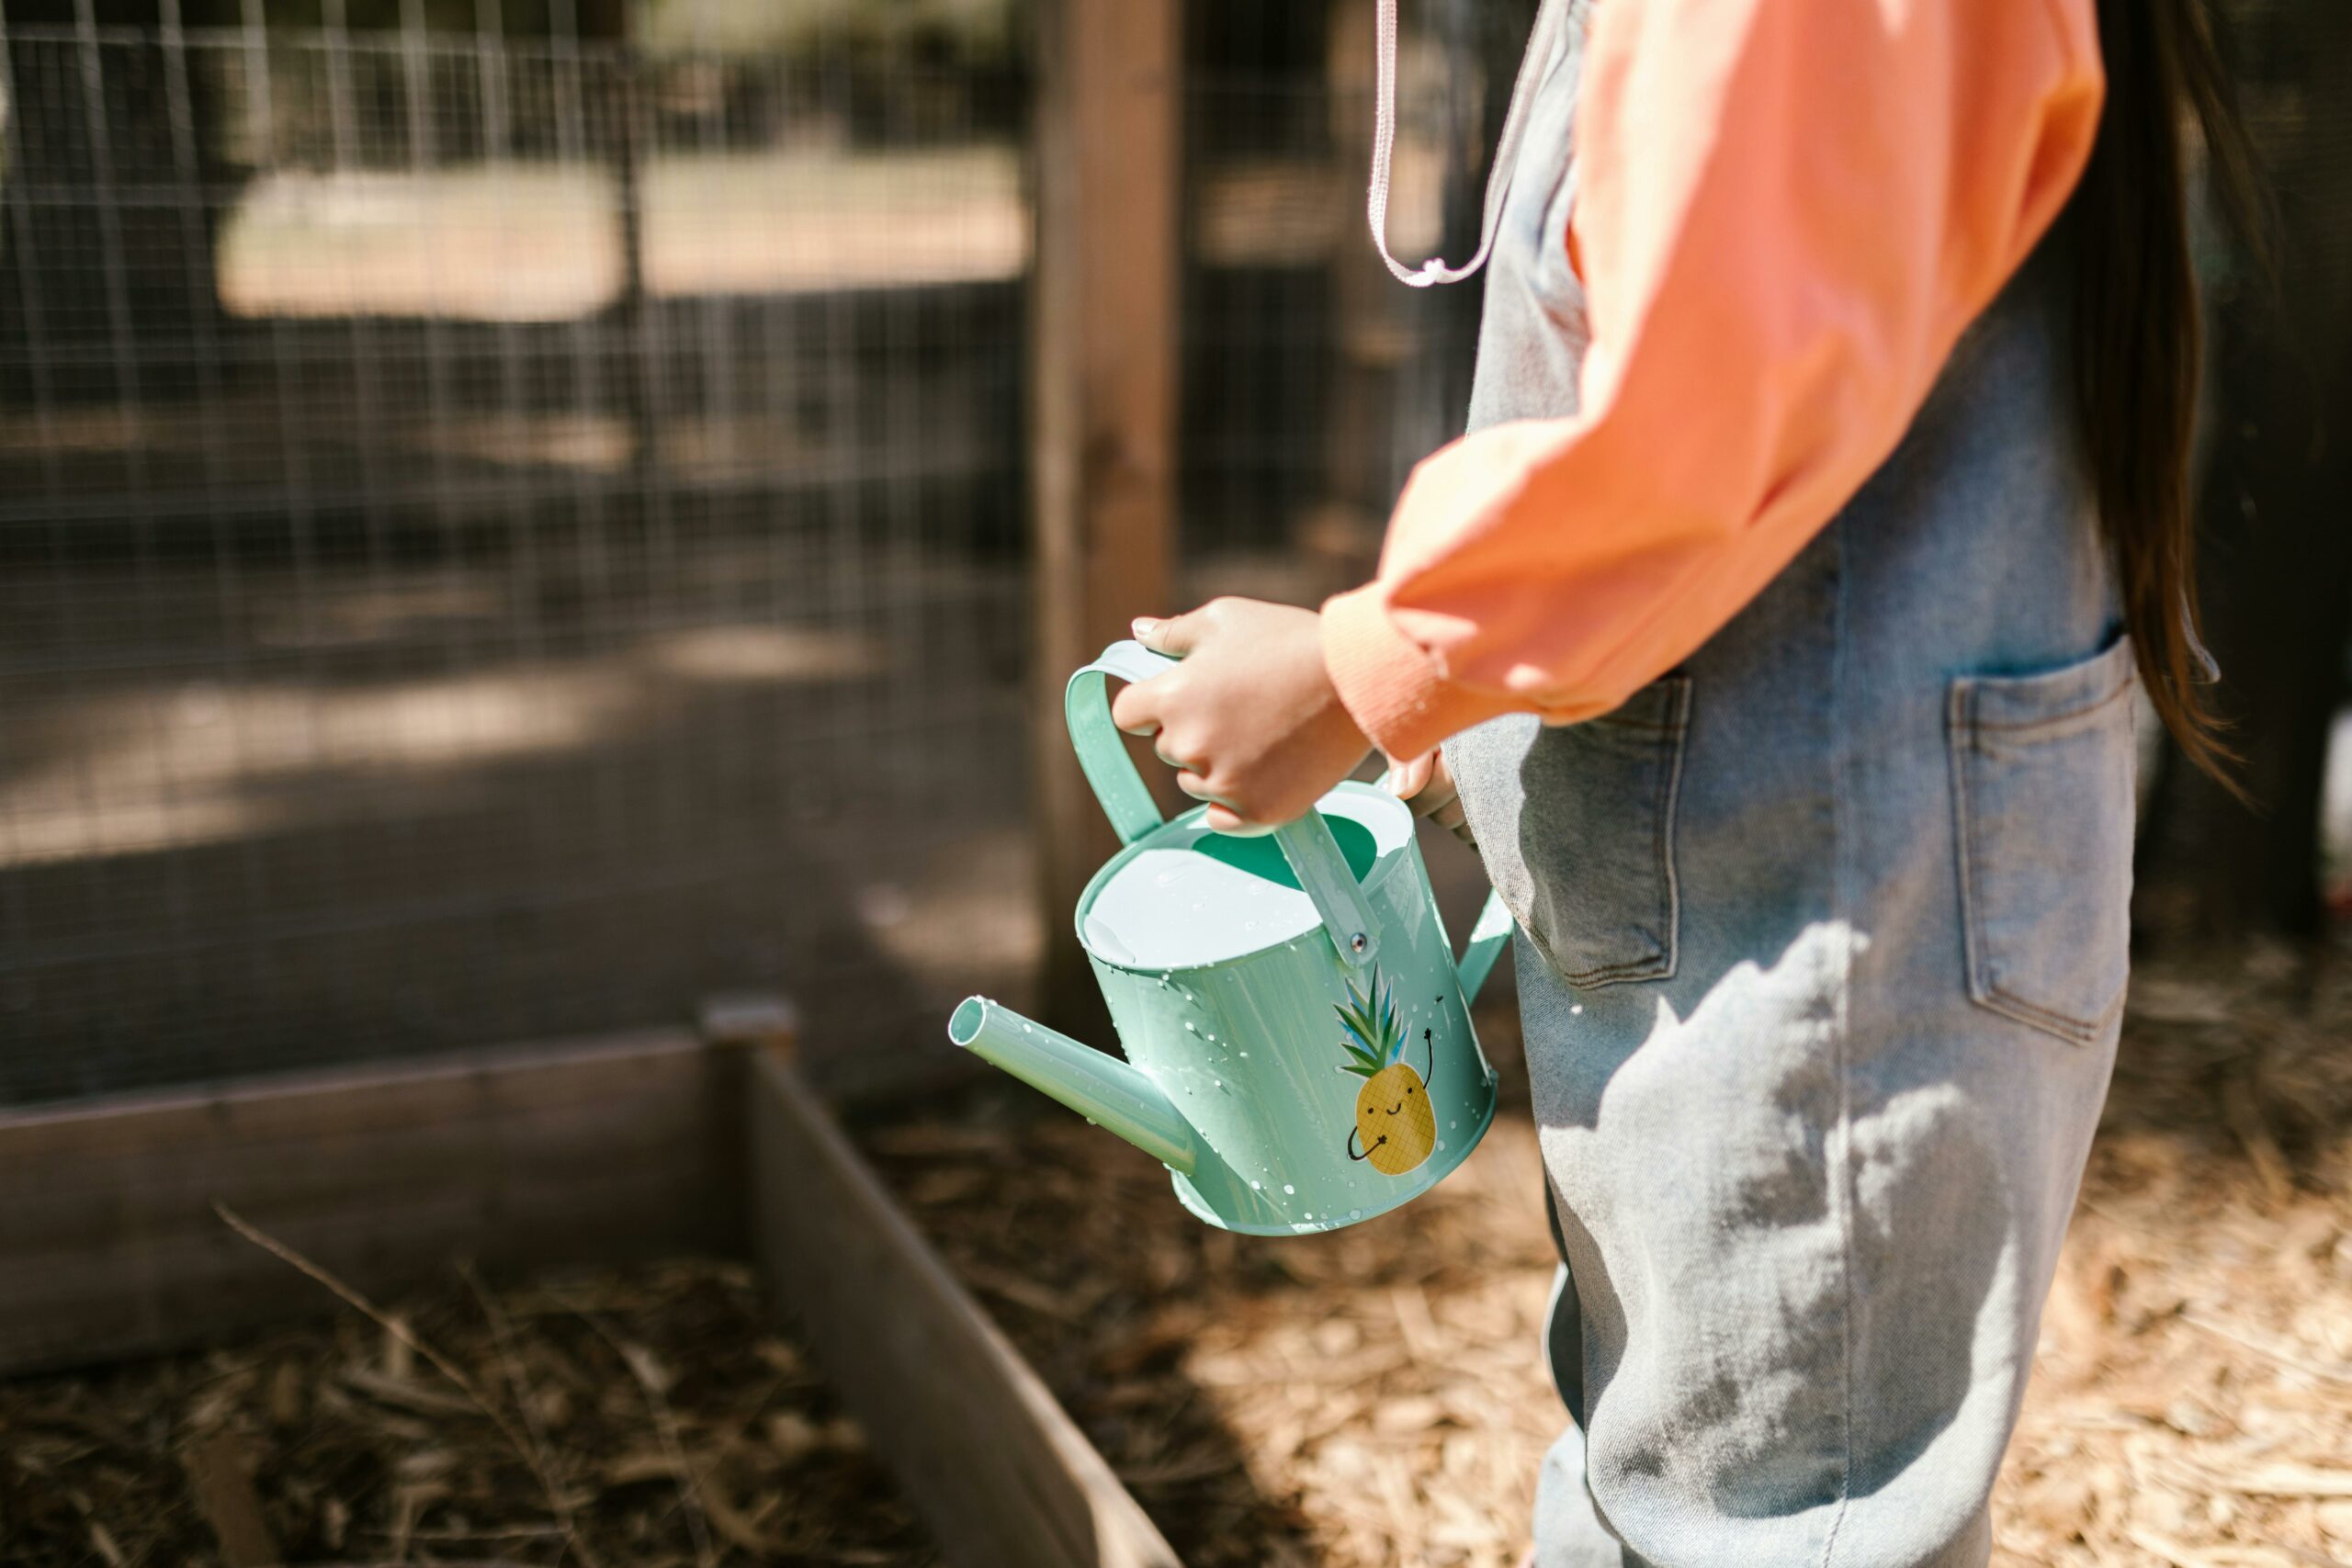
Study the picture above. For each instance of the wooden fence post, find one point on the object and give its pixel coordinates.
(1102, 378)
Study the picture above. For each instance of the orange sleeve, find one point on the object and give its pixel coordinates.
(1787, 211)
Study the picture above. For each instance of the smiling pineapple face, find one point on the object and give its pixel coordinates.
(1395, 1128)
(1393, 1122)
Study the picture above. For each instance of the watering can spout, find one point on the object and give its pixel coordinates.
(1096, 1085)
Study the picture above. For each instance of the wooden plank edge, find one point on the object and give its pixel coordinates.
(160, 1272)
(355, 1082)
(1001, 1473)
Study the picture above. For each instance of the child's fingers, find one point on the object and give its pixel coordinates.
(1183, 765)
(1135, 709)
(1426, 783)
(1453, 819)
(1219, 816)
(1407, 780)
(1177, 635)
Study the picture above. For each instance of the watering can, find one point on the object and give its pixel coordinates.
(1298, 1048)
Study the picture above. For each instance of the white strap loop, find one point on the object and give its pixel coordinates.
(1383, 143)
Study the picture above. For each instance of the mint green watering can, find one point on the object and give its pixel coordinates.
(1298, 1030)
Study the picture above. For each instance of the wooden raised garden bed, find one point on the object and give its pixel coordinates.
(129, 1227)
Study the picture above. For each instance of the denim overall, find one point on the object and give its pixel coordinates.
(1821, 958)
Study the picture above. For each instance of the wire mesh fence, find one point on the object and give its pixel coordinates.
(510, 527)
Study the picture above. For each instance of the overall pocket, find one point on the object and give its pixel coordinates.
(1596, 830)
(2041, 774)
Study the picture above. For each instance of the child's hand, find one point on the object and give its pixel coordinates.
(1427, 784)
(1249, 720)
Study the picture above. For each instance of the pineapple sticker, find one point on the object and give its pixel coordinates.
(1395, 1126)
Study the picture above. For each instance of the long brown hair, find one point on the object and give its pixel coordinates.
(2138, 339)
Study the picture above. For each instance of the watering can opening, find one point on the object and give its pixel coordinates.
(1185, 895)
(1257, 855)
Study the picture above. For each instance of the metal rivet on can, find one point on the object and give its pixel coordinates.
(1357, 942)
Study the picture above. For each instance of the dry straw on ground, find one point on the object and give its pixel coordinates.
(637, 1418)
(1375, 1396)
(1358, 1400)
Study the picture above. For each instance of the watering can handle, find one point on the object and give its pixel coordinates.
(1488, 935)
(1314, 855)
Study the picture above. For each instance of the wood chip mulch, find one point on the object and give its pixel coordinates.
(1374, 1397)
(1369, 1395)
(1370, 1398)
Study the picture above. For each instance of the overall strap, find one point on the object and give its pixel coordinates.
(1549, 19)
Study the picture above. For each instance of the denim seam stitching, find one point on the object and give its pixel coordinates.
(2055, 720)
(1957, 724)
(1617, 974)
(2076, 1031)
(1842, 1162)
(1668, 809)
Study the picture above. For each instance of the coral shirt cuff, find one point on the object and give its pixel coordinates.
(1392, 686)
